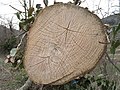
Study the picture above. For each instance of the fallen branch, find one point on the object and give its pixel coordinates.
(27, 84)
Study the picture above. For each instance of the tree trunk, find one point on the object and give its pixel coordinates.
(65, 41)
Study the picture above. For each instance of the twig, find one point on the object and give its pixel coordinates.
(21, 3)
(15, 8)
(33, 3)
(21, 40)
(21, 34)
(41, 87)
(27, 84)
(29, 3)
(25, 8)
(18, 65)
(99, 4)
(109, 59)
(6, 70)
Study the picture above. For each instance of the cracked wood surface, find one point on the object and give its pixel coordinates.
(63, 43)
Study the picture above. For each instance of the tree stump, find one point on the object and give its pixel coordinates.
(65, 41)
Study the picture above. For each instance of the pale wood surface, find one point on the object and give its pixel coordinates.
(65, 41)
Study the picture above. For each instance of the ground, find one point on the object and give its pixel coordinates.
(10, 79)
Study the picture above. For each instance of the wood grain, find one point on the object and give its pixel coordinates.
(63, 43)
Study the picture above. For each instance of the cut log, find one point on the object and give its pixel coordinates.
(65, 41)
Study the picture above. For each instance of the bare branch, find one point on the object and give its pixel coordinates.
(25, 8)
(21, 40)
(109, 59)
(15, 8)
(29, 3)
